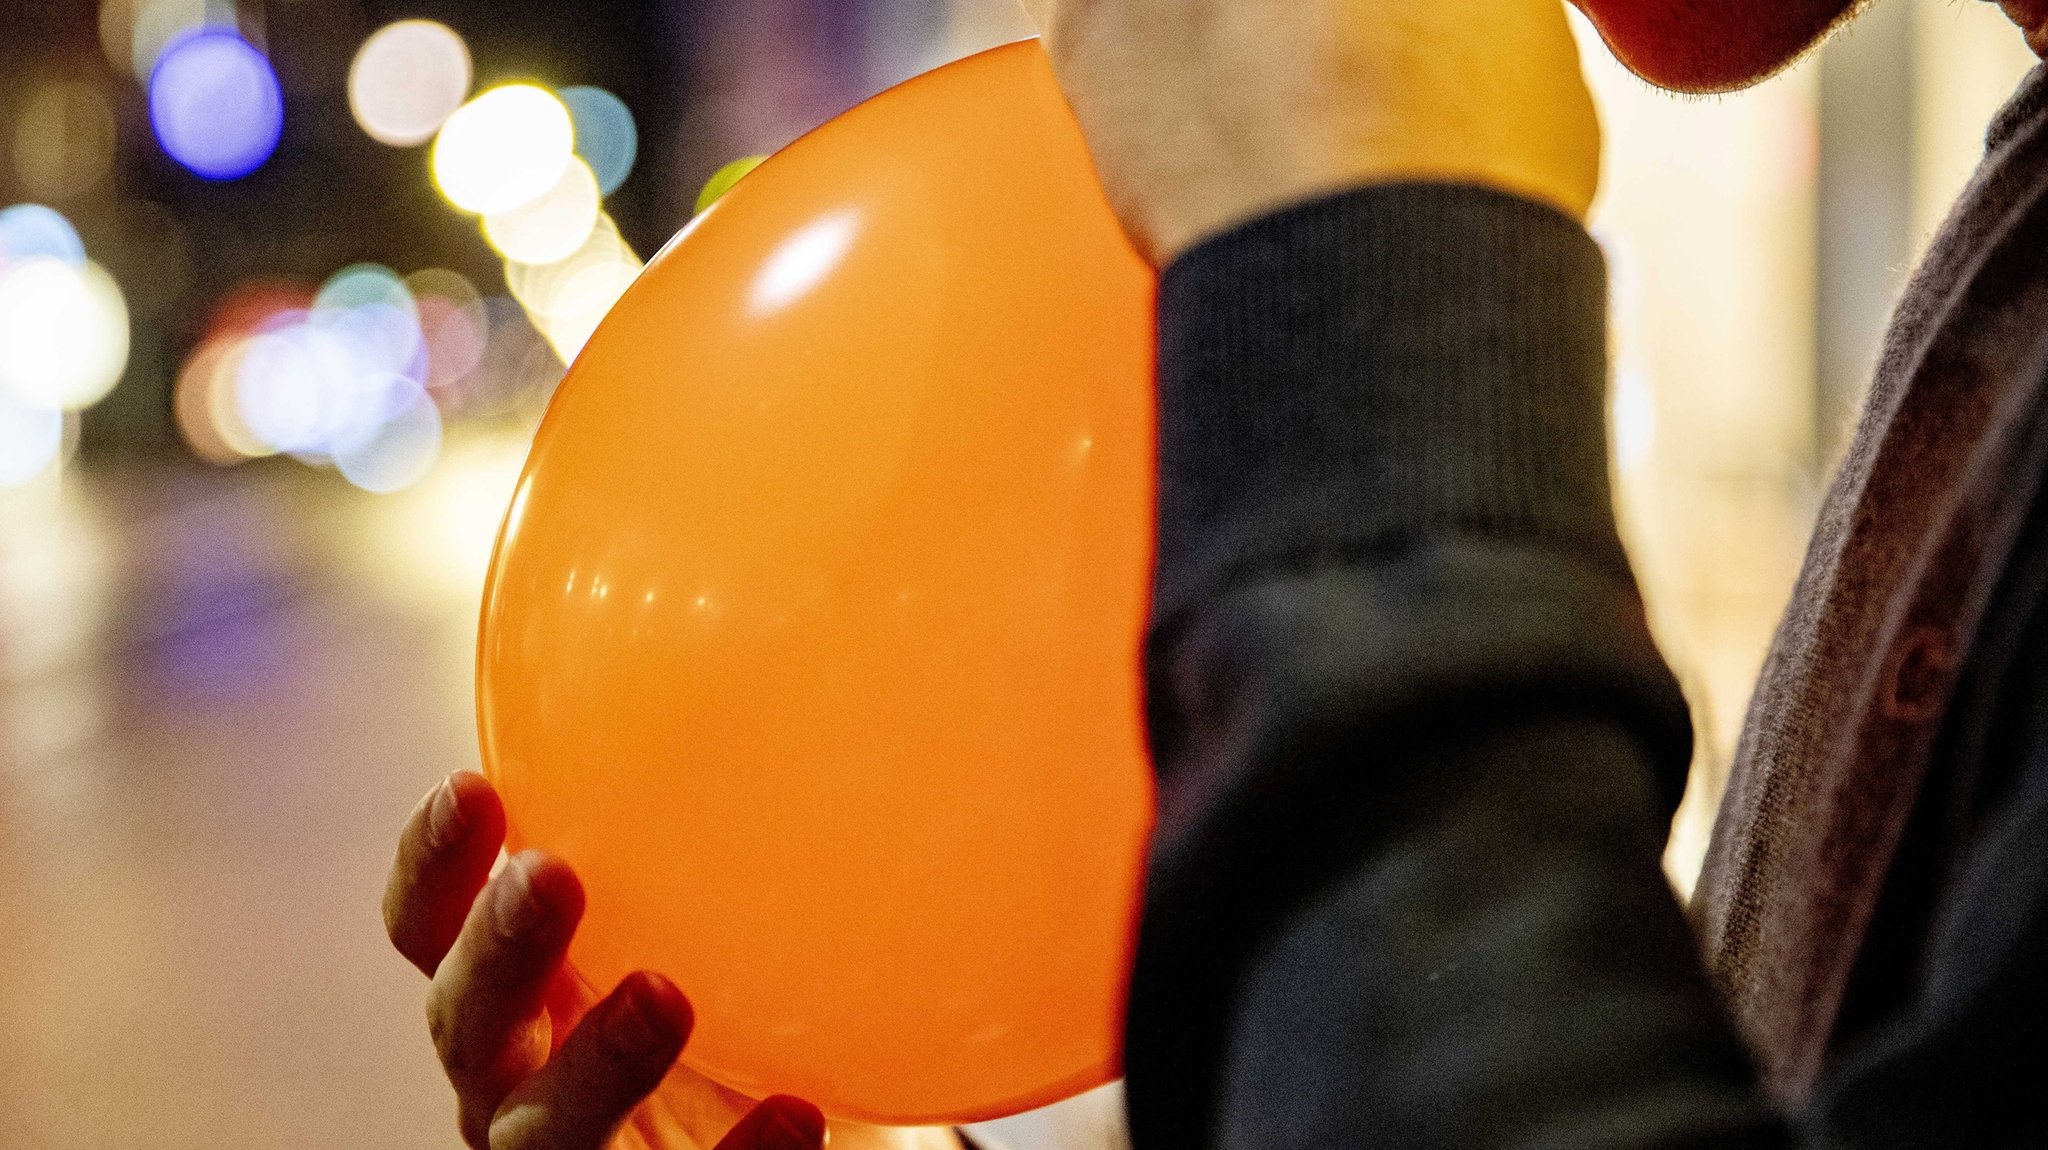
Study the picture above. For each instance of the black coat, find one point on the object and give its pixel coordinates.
(1417, 753)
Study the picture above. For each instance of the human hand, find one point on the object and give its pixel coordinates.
(537, 1065)
(1202, 114)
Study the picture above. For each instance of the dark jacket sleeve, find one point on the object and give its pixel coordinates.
(1415, 748)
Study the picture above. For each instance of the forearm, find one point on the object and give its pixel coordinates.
(1510, 970)
(1415, 747)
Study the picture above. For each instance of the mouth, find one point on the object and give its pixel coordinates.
(1707, 46)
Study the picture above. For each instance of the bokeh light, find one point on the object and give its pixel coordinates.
(402, 447)
(205, 404)
(516, 374)
(63, 333)
(606, 136)
(32, 231)
(534, 284)
(583, 299)
(136, 32)
(457, 337)
(253, 307)
(296, 387)
(455, 323)
(568, 298)
(505, 148)
(64, 140)
(441, 283)
(30, 440)
(552, 227)
(406, 81)
(117, 33)
(319, 382)
(382, 338)
(723, 179)
(360, 374)
(204, 408)
(215, 104)
(362, 285)
(340, 381)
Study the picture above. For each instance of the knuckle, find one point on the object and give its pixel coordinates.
(517, 1127)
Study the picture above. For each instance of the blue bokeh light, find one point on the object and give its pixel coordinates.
(216, 106)
(606, 136)
(32, 231)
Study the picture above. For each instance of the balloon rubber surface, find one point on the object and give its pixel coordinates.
(812, 637)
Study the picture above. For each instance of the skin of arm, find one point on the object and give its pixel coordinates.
(1203, 114)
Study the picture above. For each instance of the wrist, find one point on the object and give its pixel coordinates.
(1202, 116)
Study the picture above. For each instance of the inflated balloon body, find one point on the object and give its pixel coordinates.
(812, 636)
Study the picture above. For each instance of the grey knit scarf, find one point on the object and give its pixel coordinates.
(1911, 540)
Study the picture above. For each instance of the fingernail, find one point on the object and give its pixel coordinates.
(637, 1025)
(512, 902)
(445, 823)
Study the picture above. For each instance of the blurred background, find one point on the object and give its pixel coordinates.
(284, 287)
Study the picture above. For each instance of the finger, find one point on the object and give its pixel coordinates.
(567, 1001)
(445, 853)
(608, 1065)
(485, 1008)
(780, 1122)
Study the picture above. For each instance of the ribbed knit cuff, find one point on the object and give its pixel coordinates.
(1376, 366)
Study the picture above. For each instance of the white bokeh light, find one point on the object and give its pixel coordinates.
(283, 384)
(402, 448)
(63, 333)
(30, 440)
(552, 227)
(505, 148)
(567, 299)
(407, 79)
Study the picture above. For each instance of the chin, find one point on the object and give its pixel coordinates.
(1712, 45)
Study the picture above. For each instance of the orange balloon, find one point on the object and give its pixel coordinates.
(812, 637)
